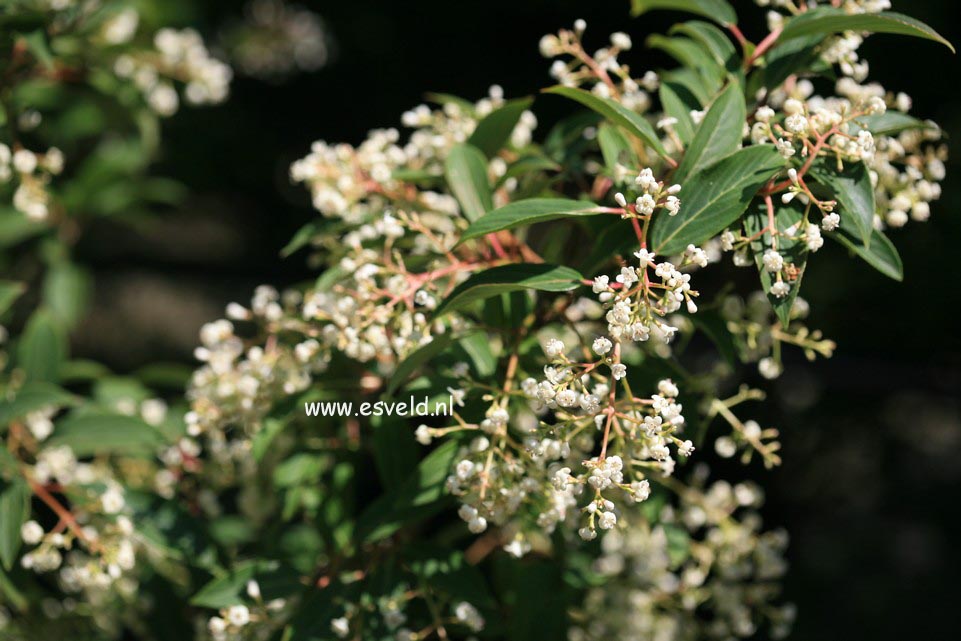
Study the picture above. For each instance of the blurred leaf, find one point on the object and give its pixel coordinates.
(615, 147)
(713, 325)
(32, 397)
(275, 580)
(508, 278)
(478, 348)
(93, 433)
(394, 448)
(66, 292)
(494, 131)
(301, 239)
(14, 511)
(415, 360)
(891, 122)
(15, 227)
(715, 198)
(714, 40)
(718, 10)
(615, 112)
(39, 48)
(42, 348)
(466, 172)
(528, 212)
(10, 291)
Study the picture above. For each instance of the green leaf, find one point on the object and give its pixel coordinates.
(466, 172)
(718, 135)
(692, 55)
(301, 239)
(828, 20)
(494, 131)
(713, 325)
(275, 580)
(32, 397)
(786, 60)
(417, 359)
(718, 10)
(853, 190)
(39, 48)
(14, 511)
(615, 147)
(478, 348)
(43, 347)
(614, 111)
(715, 198)
(66, 292)
(528, 212)
(678, 109)
(417, 496)
(396, 453)
(794, 252)
(713, 39)
(10, 291)
(509, 278)
(891, 122)
(881, 254)
(88, 434)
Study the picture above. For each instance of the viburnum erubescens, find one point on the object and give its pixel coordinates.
(547, 284)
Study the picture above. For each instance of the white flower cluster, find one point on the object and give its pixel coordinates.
(606, 75)
(354, 182)
(241, 621)
(704, 570)
(239, 384)
(277, 39)
(92, 548)
(32, 173)
(178, 57)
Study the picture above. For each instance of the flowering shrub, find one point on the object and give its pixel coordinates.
(557, 287)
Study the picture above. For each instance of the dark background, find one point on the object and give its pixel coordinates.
(869, 490)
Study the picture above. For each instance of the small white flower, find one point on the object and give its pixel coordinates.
(602, 345)
(31, 532)
(238, 615)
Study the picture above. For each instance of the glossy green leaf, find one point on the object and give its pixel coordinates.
(853, 190)
(881, 254)
(528, 212)
(466, 172)
(509, 278)
(494, 131)
(67, 289)
(615, 112)
(88, 434)
(715, 198)
(718, 135)
(718, 10)
(828, 20)
(14, 511)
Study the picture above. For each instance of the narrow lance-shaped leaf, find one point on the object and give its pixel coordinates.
(715, 198)
(828, 20)
(718, 10)
(466, 172)
(617, 113)
(615, 147)
(881, 254)
(43, 347)
(14, 510)
(9, 292)
(509, 278)
(692, 55)
(32, 397)
(677, 109)
(852, 188)
(718, 135)
(495, 130)
(528, 212)
(794, 251)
